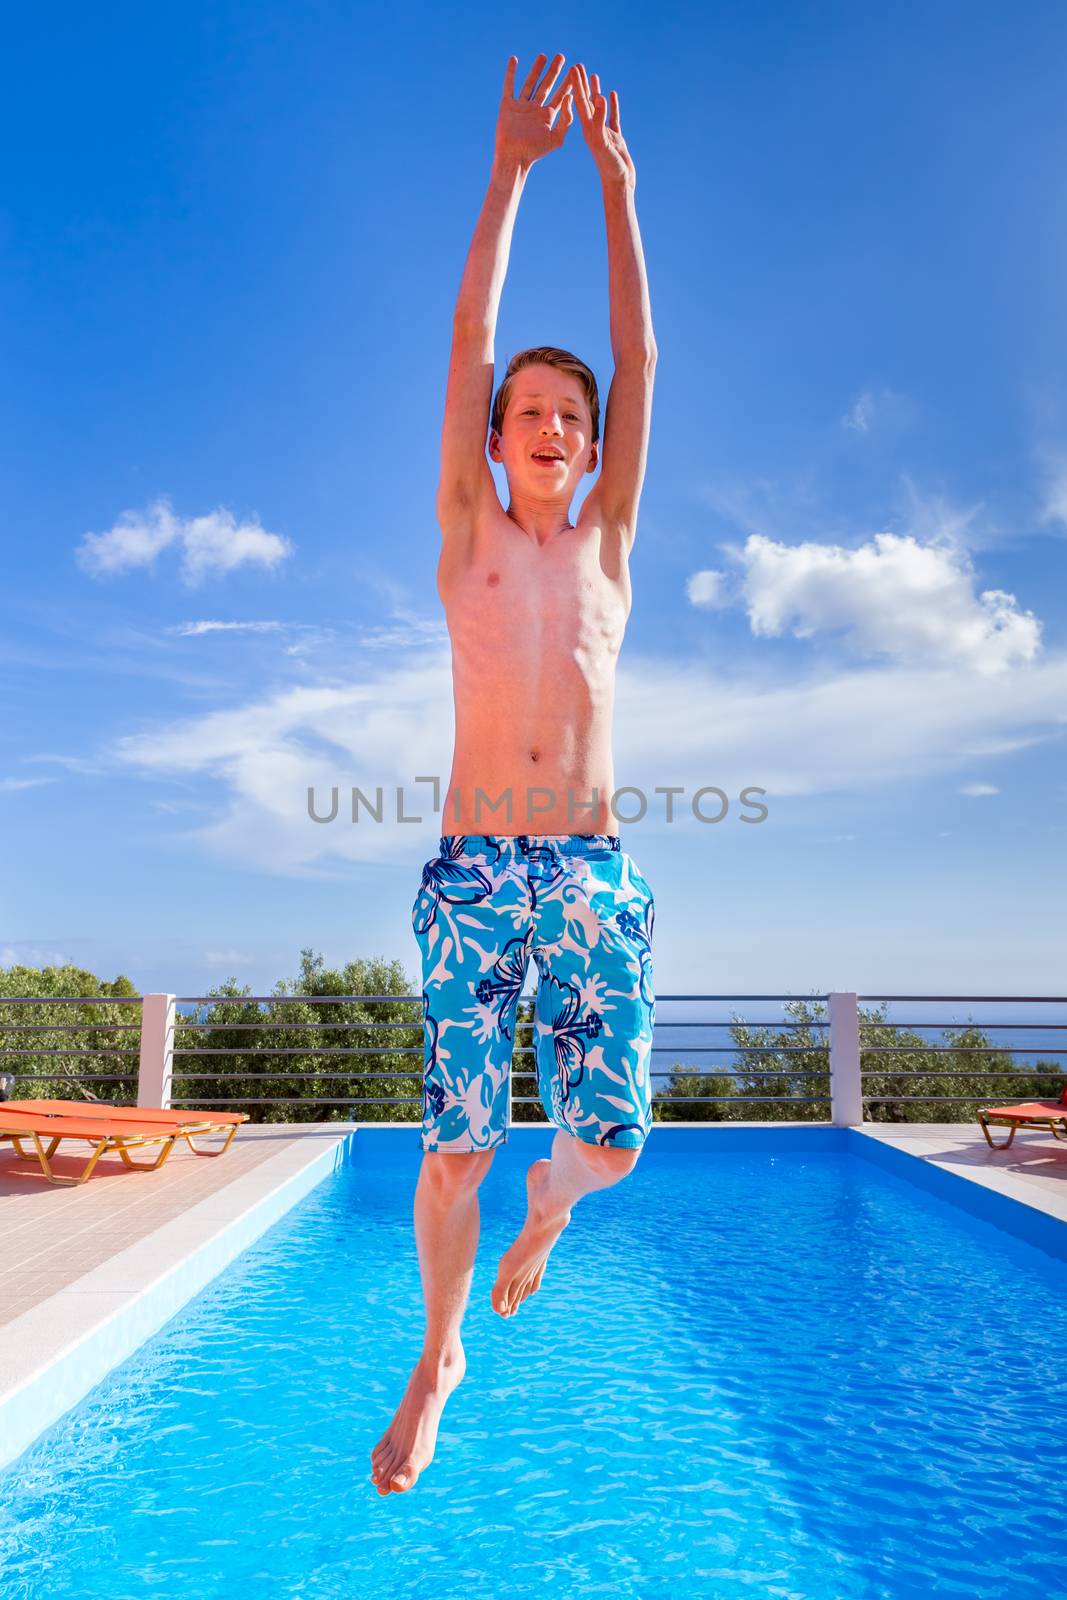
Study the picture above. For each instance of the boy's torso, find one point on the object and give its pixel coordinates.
(536, 632)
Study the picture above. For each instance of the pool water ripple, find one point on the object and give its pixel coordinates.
(786, 1376)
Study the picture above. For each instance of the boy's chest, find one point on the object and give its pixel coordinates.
(510, 584)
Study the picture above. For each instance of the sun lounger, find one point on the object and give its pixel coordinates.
(187, 1123)
(1050, 1114)
(106, 1128)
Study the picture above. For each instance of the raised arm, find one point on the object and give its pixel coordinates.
(628, 415)
(524, 133)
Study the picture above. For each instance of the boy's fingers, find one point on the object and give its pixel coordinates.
(546, 88)
(509, 77)
(557, 99)
(615, 112)
(533, 75)
(565, 120)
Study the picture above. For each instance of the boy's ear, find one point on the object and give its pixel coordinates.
(494, 444)
(594, 456)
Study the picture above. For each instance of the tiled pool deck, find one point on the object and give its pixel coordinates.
(88, 1273)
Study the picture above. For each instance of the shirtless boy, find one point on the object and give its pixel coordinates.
(536, 608)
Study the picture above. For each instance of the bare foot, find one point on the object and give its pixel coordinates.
(522, 1267)
(406, 1447)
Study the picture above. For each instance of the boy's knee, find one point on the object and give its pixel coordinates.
(457, 1172)
(609, 1160)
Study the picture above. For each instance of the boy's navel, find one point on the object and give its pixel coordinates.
(493, 579)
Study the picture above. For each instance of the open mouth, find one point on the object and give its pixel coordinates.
(548, 461)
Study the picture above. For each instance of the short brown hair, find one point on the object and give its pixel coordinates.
(551, 357)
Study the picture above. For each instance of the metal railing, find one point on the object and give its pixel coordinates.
(847, 1067)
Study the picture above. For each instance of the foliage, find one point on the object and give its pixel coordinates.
(97, 1046)
(791, 1062)
(337, 1051)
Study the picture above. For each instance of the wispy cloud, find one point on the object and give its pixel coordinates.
(807, 735)
(858, 416)
(406, 631)
(81, 765)
(30, 955)
(935, 518)
(879, 409)
(192, 630)
(12, 785)
(977, 790)
(892, 596)
(1054, 508)
(211, 545)
(760, 504)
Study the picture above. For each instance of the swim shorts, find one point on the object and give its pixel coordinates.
(577, 904)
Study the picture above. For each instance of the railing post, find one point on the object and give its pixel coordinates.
(511, 1074)
(846, 1086)
(157, 1051)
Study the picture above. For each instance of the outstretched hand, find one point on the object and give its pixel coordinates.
(524, 127)
(603, 133)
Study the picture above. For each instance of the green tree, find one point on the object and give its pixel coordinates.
(344, 1060)
(898, 1067)
(69, 1052)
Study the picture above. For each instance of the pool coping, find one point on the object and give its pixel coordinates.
(54, 1353)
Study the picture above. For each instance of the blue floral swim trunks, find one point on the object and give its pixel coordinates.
(577, 904)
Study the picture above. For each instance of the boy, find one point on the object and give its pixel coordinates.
(536, 609)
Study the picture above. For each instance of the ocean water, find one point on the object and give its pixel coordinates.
(748, 1374)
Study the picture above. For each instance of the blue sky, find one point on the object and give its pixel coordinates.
(231, 240)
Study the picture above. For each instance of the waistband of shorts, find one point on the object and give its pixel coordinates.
(520, 845)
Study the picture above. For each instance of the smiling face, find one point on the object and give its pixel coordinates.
(547, 415)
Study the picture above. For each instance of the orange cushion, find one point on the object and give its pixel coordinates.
(1049, 1110)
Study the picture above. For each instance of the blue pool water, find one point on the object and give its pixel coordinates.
(746, 1374)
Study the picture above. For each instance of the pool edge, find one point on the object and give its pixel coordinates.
(1018, 1209)
(56, 1352)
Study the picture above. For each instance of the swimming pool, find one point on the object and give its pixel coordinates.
(783, 1373)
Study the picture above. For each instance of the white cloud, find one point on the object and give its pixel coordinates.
(674, 725)
(707, 589)
(214, 544)
(978, 789)
(892, 596)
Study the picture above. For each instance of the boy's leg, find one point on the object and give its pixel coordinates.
(469, 908)
(595, 1016)
(553, 1188)
(446, 1235)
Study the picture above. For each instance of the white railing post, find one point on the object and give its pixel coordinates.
(846, 1087)
(157, 1051)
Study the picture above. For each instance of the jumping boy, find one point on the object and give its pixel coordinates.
(536, 608)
